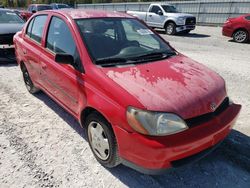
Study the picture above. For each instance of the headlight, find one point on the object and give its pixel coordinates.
(154, 123)
(181, 21)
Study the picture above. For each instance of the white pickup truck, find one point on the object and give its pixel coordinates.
(165, 16)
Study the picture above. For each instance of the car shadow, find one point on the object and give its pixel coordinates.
(227, 166)
(186, 35)
(231, 40)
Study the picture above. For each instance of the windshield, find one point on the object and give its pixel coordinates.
(43, 7)
(60, 6)
(9, 17)
(169, 8)
(121, 41)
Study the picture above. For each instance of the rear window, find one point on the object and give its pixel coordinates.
(63, 6)
(43, 7)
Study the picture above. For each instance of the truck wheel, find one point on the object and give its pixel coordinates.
(102, 140)
(186, 31)
(170, 29)
(28, 82)
(240, 36)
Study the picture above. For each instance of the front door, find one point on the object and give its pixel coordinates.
(154, 19)
(63, 81)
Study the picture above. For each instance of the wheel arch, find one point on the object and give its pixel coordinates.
(22, 66)
(87, 111)
(238, 29)
(169, 21)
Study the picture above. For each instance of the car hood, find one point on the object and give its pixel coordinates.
(10, 28)
(178, 85)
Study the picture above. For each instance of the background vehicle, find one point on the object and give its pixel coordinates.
(238, 28)
(10, 23)
(33, 8)
(59, 6)
(142, 103)
(166, 17)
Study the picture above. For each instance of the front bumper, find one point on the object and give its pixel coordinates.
(152, 155)
(184, 28)
(7, 53)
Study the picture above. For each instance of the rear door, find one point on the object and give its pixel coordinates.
(62, 81)
(31, 48)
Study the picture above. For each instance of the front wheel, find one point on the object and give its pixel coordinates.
(170, 29)
(240, 36)
(186, 31)
(102, 140)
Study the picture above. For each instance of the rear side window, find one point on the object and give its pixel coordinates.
(28, 32)
(36, 30)
(60, 40)
(155, 9)
(248, 17)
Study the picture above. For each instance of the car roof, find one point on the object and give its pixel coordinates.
(87, 13)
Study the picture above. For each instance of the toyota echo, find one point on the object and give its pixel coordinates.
(142, 103)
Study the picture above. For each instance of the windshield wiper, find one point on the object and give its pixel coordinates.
(154, 55)
(110, 60)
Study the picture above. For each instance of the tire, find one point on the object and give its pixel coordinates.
(186, 31)
(170, 28)
(240, 36)
(102, 140)
(28, 82)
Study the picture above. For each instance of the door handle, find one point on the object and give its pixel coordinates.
(150, 15)
(24, 51)
(44, 66)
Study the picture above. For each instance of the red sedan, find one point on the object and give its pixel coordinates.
(141, 102)
(238, 28)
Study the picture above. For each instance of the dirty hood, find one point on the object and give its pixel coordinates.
(178, 85)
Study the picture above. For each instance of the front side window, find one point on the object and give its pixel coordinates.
(9, 17)
(36, 31)
(155, 9)
(247, 17)
(60, 40)
(121, 40)
(169, 8)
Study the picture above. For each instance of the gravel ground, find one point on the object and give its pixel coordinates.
(41, 145)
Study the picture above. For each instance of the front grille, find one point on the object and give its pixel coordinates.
(6, 39)
(191, 21)
(192, 122)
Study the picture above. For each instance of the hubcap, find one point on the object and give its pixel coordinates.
(169, 29)
(98, 140)
(240, 36)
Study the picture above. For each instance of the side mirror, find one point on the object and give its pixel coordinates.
(160, 12)
(33, 11)
(64, 59)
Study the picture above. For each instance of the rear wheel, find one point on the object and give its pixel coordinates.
(170, 28)
(28, 82)
(102, 140)
(240, 36)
